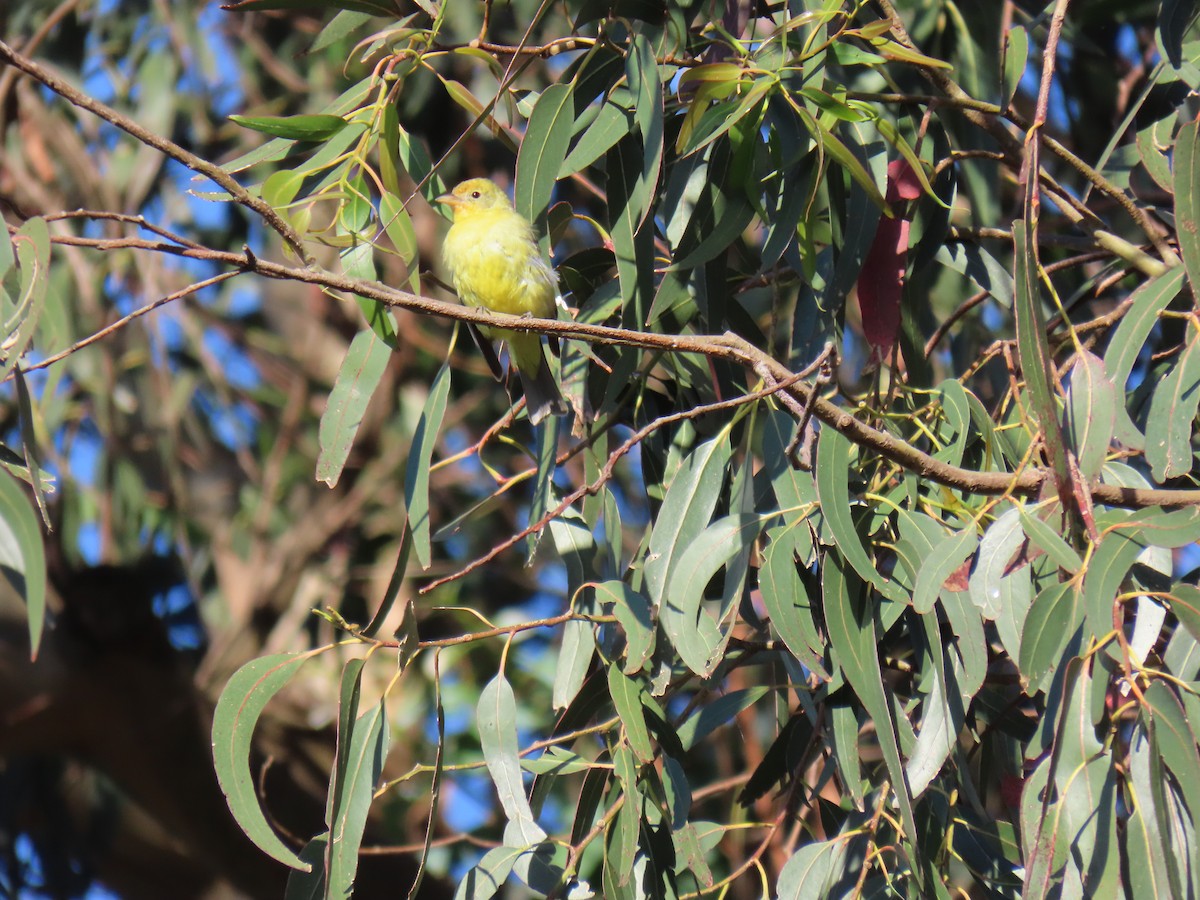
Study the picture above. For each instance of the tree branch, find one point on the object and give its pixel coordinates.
(729, 346)
(162, 144)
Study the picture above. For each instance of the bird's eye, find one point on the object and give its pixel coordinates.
(475, 195)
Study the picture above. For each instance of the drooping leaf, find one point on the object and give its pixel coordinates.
(852, 633)
(542, 152)
(1052, 633)
(947, 555)
(359, 375)
(685, 512)
(833, 487)
(1172, 418)
(626, 695)
(420, 456)
(367, 747)
(497, 722)
(1091, 413)
(23, 557)
(241, 703)
(691, 628)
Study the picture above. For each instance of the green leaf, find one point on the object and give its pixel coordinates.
(833, 487)
(720, 118)
(1150, 299)
(281, 187)
(685, 512)
(355, 786)
(1174, 17)
(1186, 168)
(690, 853)
(340, 26)
(941, 713)
(1173, 529)
(30, 451)
(357, 379)
(294, 128)
(956, 409)
(851, 626)
(813, 870)
(485, 879)
(692, 630)
(241, 703)
(7, 257)
(576, 547)
(1049, 541)
(1172, 416)
(1002, 591)
(1014, 62)
(629, 199)
(542, 152)
(1110, 563)
(277, 148)
(497, 722)
(645, 84)
(786, 599)
(717, 712)
(545, 447)
(794, 489)
(32, 246)
(1173, 739)
(832, 145)
(420, 457)
(626, 694)
(399, 227)
(23, 556)
(1052, 633)
(623, 833)
(980, 267)
(1091, 413)
(1152, 142)
(612, 122)
(309, 885)
(946, 557)
(635, 616)
(1086, 790)
(1185, 604)
(358, 260)
(1149, 828)
(557, 761)
(718, 219)
(1033, 348)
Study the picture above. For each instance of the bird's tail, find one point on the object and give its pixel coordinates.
(542, 397)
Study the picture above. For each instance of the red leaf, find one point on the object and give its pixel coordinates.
(881, 282)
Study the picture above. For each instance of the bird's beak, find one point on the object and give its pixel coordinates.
(449, 200)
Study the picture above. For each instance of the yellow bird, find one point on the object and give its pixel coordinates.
(495, 263)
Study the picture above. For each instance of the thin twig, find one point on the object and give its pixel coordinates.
(162, 144)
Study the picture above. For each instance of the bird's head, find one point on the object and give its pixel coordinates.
(475, 195)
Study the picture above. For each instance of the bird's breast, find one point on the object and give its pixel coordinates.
(497, 266)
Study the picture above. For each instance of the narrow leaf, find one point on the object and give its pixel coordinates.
(357, 379)
(420, 457)
(241, 703)
(23, 556)
(294, 128)
(1172, 416)
(497, 721)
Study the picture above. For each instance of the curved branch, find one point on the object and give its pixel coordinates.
(168, 148)
(729, 346)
